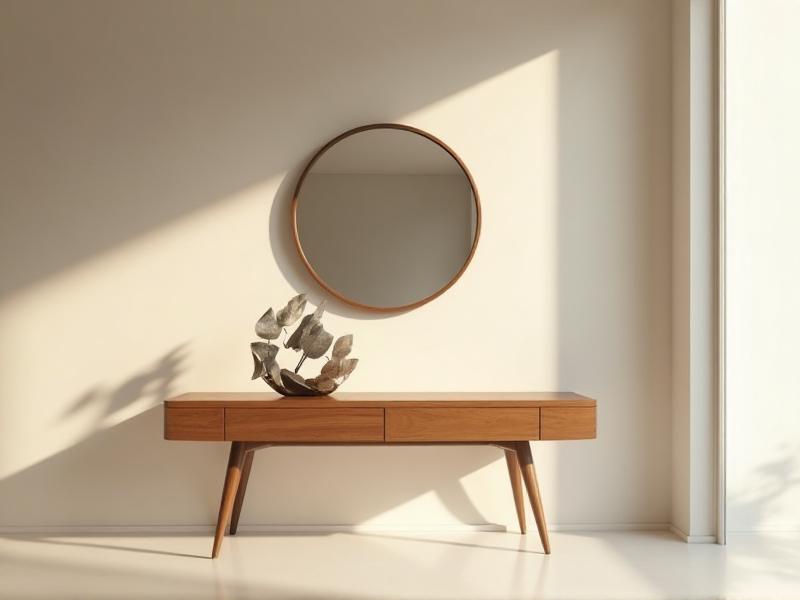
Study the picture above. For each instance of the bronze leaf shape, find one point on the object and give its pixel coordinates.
(325, 384)
(348, 366)
(343, 346)
(332, 369)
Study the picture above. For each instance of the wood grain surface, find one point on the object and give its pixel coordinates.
(199, 424)
(304, 425)
(461, 424)
(569, 423)
(379, 400)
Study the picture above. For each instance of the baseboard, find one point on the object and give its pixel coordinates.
(693, 539)
(288, 529)
(209, 529)
(609, 527)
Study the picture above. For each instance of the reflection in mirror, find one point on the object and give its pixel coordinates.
(386, 218)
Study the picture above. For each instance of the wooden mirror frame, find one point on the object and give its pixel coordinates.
(333, 291)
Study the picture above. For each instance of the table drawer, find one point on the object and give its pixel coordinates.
(569, 423)
(198, 424)
(461, 424)
(304, 424)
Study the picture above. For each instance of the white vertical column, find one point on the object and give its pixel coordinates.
(694, 270)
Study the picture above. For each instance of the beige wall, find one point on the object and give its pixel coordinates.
(149, 150)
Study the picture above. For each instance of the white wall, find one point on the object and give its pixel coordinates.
(763, 285)
(149, 150)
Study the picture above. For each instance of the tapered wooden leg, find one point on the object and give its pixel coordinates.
(532, 485)
(232, 477)
(237, 503)
(516, 486)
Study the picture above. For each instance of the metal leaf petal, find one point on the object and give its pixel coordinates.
(343, 346)
(263, 356)
(267, 326)
(258, 368)
(320, 309)
(295, 384)
(324, 384)
(274, 371)
(316, 342)
(332, 369)
(300, 335)
(275, 386)
(348, 366)
(294, 340)
(310, 333)
(288, 315)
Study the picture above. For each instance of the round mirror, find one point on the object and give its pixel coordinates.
(386, 217)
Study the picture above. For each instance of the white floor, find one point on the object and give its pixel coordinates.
(428, 566)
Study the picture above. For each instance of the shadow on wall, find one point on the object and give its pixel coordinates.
(97, 472)
(765, 500)
(85, 473)
(150, 387)
(150, 111)
(126, 117)
(769, 487)
(127, 463)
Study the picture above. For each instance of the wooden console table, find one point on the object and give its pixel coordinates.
(251, 421)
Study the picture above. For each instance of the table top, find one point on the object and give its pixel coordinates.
(378, 400)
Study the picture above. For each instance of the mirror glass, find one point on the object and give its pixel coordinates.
(386, 218)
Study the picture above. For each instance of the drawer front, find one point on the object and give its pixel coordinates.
(304, 424)
(569, 423)
(198, 424)
(461, 424)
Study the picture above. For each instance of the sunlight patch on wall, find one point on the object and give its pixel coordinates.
(527, 192)
(102, 341)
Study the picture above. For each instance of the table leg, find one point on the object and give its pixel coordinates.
(532, 485)
(237, 503)
(232, 477)
(516, 486)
